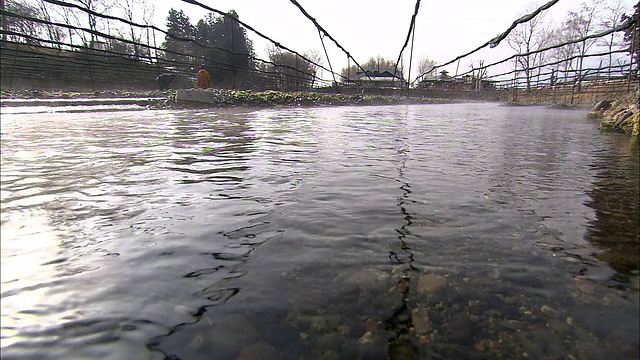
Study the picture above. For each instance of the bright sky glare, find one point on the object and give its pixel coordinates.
(444, 29)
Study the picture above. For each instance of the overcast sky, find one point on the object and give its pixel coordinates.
(444, 29)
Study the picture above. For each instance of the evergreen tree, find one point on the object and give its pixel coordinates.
(219, 43)
(179, 50)
(231, 61)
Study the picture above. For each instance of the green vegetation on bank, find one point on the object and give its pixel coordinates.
(228, 98)
(620, 115)
(222, 97)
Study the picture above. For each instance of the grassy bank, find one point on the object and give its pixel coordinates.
(619, 115)
(228, 98)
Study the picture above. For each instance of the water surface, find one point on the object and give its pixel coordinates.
(402, 232)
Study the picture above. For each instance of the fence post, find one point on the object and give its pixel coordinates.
(4, 21)
(453, 86)
(86, 48)
(633, 51)
(13, 68)
(515, 87)
(233, 56)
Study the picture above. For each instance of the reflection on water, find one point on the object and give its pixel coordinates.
(401, 232)
(615, 231)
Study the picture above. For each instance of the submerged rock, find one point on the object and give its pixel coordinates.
(330, 341)
(420, 320)
(259, 351)
(231, 333)
(459, 328)
(364, 279)
(431, 284)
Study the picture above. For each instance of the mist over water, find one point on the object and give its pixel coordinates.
(407, 231)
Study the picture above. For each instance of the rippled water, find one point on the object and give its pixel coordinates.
(402, 232)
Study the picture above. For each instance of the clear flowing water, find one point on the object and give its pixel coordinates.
(464, 231)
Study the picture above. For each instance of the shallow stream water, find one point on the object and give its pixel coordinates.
(467, 231)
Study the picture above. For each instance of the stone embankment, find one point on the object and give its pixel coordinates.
(225, 98)
(620, 115)
(215, 98)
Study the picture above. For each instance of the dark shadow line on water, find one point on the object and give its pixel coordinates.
(216, 292)
(154, 343)
(400, 321)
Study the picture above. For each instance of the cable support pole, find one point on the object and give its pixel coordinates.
(406, 41)
(13, 68)
(413, 38)
(515, 73)
(90, 72)
(348, 72)
(320, 28)
(233, 56)
(155, 51)
(453, 88)
(634, 35)
(327, 55)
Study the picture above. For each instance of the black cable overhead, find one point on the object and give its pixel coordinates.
(127, 41)
(43, 46)
(321, 29)
(194, 2)
(526, 18)
(152, 27)
(620, 27)
(327, 55)
(496, 40)
(406, 41)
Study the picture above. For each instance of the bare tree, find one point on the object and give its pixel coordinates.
(580, 24)
(291, 72)
(527, 37)
(426, 68)
(133, 10)
(26, 31)
(94, 22)
(314, 56)
(56, 35)
(564, 54)
(612, 17)
(479, 72)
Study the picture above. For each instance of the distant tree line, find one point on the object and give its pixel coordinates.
(123, 29)
(592, 17)
(223, 47)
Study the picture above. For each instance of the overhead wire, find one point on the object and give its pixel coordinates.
(277, 44)
(411, 30)
(321, 29)
(496, 40)
(131, 42)
(183, 57)
(618, 28)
